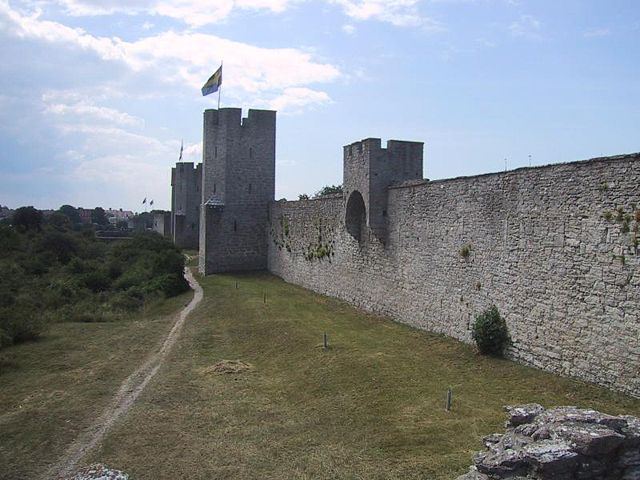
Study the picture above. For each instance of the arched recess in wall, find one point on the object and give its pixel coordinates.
(356, 216)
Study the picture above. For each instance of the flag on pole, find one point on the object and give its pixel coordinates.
(144, 201)
(213, 84)
(181, 147)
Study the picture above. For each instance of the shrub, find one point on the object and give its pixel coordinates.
(20, 324)
(27, 218)
(96, 280)
(465, 251)
(170, 284)
(125, 301)
(490, 332)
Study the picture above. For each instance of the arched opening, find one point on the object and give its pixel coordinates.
(356, 217)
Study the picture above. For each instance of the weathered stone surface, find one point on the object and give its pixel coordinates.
(562, 443)
(520, 414)
(99, 472)
(546, 245)
(473, 474)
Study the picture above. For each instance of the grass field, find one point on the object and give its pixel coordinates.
(369, 407)
(53, 388)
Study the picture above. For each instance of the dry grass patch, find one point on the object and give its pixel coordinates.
(369, 407)
(228, 366)
(52, 389)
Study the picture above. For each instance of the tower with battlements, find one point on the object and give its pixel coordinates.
(186, 185)
(369, 170)
(238, 183)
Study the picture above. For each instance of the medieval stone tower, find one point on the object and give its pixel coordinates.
(238, 183)
(186, 185)
(369, 170)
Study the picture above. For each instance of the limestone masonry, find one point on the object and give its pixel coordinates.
(563, 443)
(553, 247)
(186, 181)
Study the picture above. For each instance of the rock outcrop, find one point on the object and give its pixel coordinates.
(564, 443)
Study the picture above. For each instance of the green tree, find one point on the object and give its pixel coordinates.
(99, 217)
(328, 190)
(71, 212)
(27, 218)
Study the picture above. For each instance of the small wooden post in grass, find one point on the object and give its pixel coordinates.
(236, 284)
(325, 341)
(449, 396)
(264, 298)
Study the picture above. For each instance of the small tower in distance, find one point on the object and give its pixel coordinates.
(238, 183)
(369, 170)
(186, 184)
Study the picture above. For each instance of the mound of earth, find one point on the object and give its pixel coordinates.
(228, 366)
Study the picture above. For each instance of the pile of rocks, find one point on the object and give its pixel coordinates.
(99, 472)
(563, 443)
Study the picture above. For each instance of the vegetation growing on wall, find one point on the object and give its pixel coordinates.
(322, 247)
(628, 221)
(53, 273)
(282, 237)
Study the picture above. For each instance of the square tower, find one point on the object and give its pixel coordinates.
(186, 185)
(238, 182)
(369, 170)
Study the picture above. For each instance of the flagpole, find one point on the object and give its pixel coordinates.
(220, 89)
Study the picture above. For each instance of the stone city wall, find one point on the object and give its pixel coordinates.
(554, 248)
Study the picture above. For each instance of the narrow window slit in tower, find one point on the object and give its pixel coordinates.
(249, 188)
(235, 226)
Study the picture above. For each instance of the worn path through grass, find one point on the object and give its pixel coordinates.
(128, 392)
(369, 407)
(54, 389)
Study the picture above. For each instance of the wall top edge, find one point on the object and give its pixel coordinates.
(331, 196)
(549, 166)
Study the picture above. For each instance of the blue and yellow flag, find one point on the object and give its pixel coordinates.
(213, 84)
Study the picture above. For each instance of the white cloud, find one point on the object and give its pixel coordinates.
(401, 13)
(101, 144)
(526, 26)
(294, 99)
(195, 13)
(85, 112)
(192, 152)
(349, 29)
(182, 59)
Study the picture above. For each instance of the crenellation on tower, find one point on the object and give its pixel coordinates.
(368, 172)
(238, 185)
(186, 184)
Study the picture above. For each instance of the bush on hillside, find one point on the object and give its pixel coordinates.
(55, 271)
(490, 332)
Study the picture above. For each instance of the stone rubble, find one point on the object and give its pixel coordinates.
(99, 472)
(564, 443)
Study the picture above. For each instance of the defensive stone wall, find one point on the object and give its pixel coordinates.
(554, 248)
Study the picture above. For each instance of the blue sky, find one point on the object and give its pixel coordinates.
(96, 95)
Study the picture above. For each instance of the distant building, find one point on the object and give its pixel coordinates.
(85, 215)
(119, 214)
